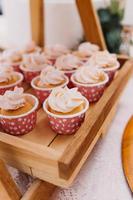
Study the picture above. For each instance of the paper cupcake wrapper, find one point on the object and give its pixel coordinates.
(111, 75)
(30, 75)
(70, 84)
(42, 95)
(16, 67)
(3, 90)
(20, 125)
(93, 94)
(66, 126)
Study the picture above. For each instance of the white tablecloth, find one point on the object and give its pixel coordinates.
(102, 177)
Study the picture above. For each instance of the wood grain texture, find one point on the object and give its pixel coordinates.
(37, 21)
(91, 23)
(39, 190)
(127, 153)
(8, 190)
(83, 138)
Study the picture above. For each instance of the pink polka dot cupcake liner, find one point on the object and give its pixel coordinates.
(43, 93)
(18, 83)
(16, 67)
(28, 76)
(22, 124)
(69, 74)
(92, 92)
(63, 124)
(111, 73)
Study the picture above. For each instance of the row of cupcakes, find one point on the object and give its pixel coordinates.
(90, 76)
(65, 108)
(32, 59)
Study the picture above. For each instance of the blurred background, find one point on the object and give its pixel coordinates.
(116, 18)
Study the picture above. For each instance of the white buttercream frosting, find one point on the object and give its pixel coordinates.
(104, 59)
(31, 47)
(12, 100)
(54, 51)
(10, 56)
(51, 76)
(68, 62)
(35, 61)
(65, 100)
(89, 75)
(5, 73)
(87, 49)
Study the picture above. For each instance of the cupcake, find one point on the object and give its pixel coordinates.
(9, 79)
(90, 81)
(107, 61)
(30, 48)
(55, 51)
(49, 79)
(66, 110)
(18, 112)
(11, 57)
(33, 64)
(86, 50)
(68, 64)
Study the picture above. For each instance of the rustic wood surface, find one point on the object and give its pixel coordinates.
(51, 157)
(37, 21)
(127, 153)
(91, 23)
(8, 189)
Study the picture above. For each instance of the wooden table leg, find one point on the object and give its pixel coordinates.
(9, 190)
(39, 190)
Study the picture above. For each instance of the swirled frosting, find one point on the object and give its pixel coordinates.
(5, 73)
(51, 76)
(87, 49)
(31, 48)
(12, 100)
(89, 75)
(103, 59)
(65, 100)
(10, 56)
(53, 52)
(35, 61)
(68, 62)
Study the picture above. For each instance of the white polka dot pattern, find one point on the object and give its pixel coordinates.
(30, 75)
(111, 75)
(70, 84)
(20, 125)
(66, 126)
(93, 94)
(16, 67)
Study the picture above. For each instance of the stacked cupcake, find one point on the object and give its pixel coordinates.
(64, 82)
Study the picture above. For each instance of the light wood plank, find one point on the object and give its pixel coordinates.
(9, 188)
(39, 190)
(82, 139)
(37, 21)
(91, 23)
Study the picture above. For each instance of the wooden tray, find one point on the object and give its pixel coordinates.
(57, 159)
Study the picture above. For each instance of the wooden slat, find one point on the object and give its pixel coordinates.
(80, 143)
(9, 188)
(39, 190)
(37, 21)
(91, 23)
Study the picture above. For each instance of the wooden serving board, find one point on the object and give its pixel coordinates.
(56, 158)
(127, 153)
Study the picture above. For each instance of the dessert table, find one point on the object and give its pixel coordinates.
(102, 175)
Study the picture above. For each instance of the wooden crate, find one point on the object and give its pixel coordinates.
(56, 158)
